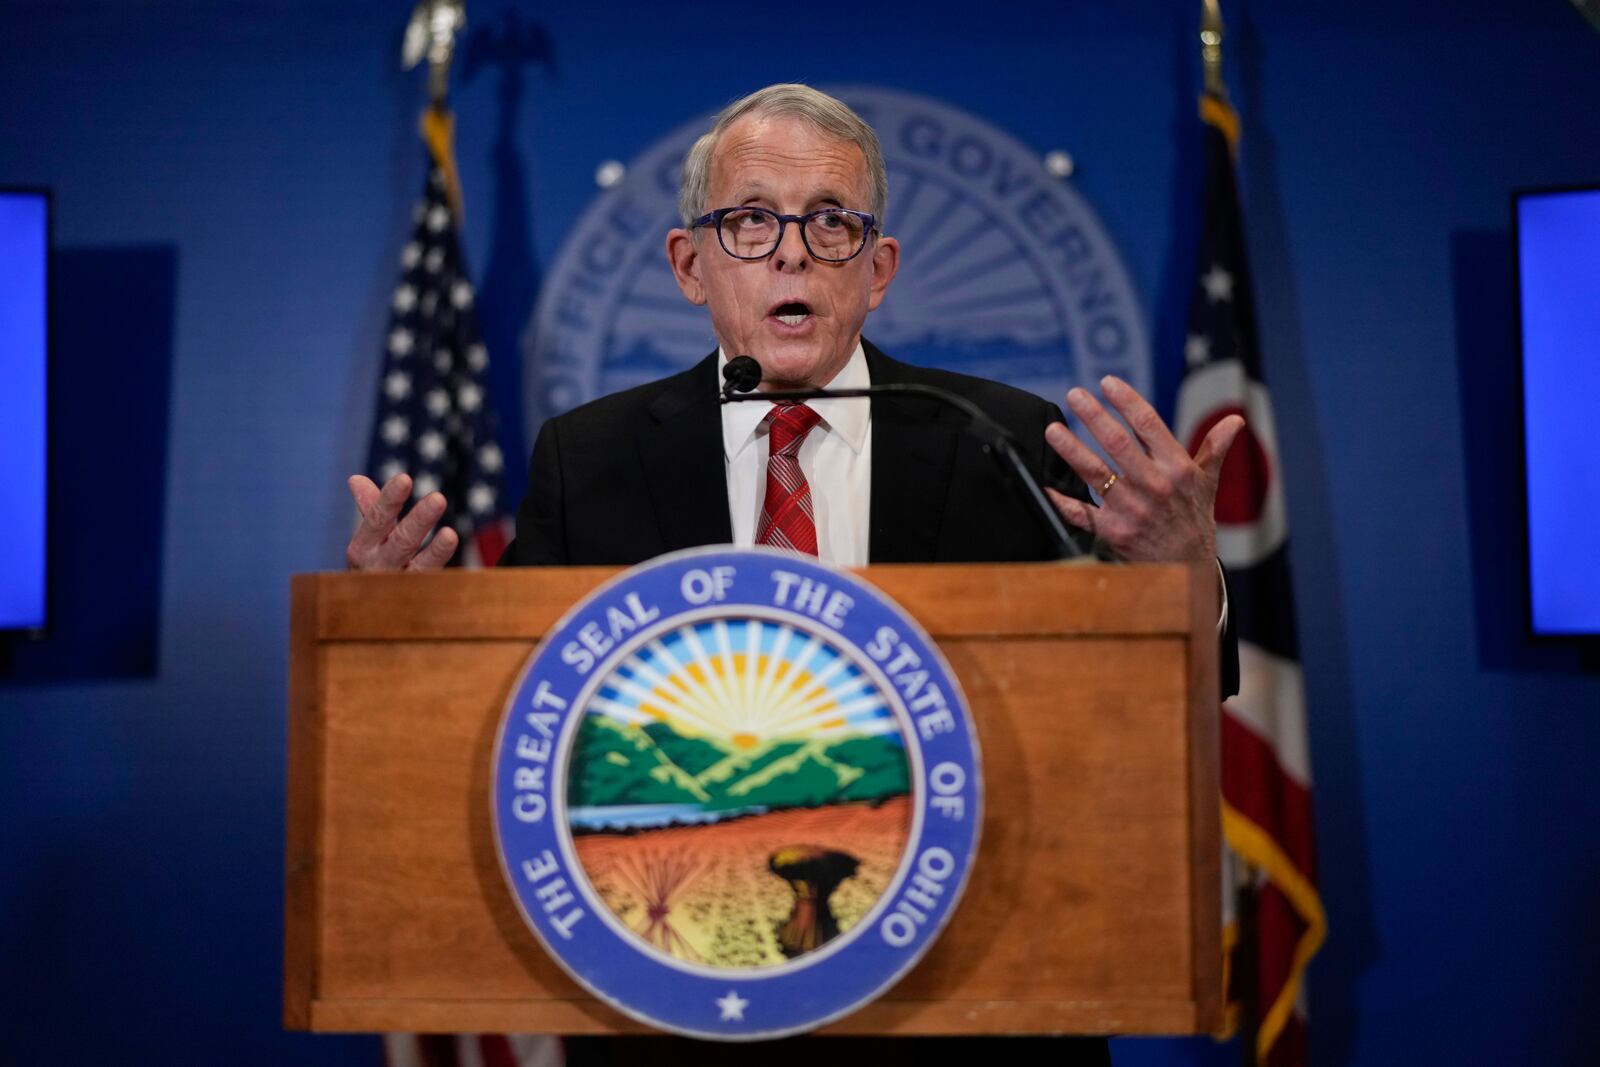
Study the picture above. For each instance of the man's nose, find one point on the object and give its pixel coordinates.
(791, 253)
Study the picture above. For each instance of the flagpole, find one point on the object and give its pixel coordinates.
(1243, 977)
(431, 34)
(1279, 920)
(1211, 33)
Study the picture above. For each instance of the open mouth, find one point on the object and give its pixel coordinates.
(791, 312)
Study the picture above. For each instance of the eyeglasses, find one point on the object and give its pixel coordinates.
(832, 235)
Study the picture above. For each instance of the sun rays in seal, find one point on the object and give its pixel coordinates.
(744, 683)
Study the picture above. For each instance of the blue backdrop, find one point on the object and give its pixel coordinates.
(267, 151)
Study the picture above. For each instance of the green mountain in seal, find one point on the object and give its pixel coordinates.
(617, 763)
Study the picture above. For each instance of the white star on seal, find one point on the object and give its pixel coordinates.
(1218, 283)
(732, 1006)
(1197, 349)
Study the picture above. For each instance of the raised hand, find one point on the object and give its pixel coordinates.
(382, 544)
(1157, 504)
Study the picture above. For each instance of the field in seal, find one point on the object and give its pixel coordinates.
(706, 893)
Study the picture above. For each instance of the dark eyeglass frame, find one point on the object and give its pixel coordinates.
(714, 218)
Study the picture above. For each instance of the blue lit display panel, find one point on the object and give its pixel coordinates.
(24, 250)
(1558, 251)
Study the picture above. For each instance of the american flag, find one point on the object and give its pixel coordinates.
(435, 418)
(436, 422)
(1275, 920)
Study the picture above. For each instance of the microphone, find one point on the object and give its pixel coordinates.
(742, 374)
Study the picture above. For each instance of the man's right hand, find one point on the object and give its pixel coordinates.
(382, 544)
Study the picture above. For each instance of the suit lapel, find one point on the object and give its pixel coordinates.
(913, 454)
(680, 449)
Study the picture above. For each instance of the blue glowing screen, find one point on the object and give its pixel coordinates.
(24, 250)
(1558, 253)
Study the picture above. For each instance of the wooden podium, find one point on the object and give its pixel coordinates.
(1093, 906)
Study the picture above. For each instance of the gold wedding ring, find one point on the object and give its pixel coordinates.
(1104, 489)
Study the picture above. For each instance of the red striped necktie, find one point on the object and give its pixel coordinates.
(786, 517)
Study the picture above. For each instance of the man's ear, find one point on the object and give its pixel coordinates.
(683, 253)
(885, 262)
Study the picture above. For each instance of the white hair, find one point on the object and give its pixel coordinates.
(790, 100)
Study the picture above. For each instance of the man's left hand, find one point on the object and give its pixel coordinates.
(1157, 504)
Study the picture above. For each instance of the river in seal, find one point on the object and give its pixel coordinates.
(651, 816)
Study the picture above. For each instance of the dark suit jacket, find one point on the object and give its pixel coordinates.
(641, 472)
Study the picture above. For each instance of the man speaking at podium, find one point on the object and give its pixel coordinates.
(783, 204)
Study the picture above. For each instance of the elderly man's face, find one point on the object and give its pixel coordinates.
(787, 166)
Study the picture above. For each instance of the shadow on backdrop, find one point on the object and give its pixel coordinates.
(1343, 850)
(1183, 220)
(111, 317)
(510, 281)
(1482, 277)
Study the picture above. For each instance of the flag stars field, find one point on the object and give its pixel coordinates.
(434, 416)
(480, 498)
(1218, 284)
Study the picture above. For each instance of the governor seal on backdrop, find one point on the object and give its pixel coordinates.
(1006, 271)
(736, 793)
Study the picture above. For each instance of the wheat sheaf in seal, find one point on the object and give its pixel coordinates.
(736, 793)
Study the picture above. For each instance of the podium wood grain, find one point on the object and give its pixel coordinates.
(1094, 902)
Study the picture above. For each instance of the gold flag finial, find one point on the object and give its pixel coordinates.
(1211, 47)
(432, 33)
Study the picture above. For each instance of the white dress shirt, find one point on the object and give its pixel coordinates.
(836, 459)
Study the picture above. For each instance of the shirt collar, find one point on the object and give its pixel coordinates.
(743, 423)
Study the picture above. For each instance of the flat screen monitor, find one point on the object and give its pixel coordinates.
(1557, 239)
(24, 288)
